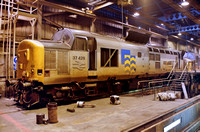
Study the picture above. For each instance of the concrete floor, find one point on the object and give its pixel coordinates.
(105, 117)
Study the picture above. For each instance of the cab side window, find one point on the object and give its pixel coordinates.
(80, 44)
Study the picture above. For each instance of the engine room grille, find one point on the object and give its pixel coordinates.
(50, 59)
(63, 62)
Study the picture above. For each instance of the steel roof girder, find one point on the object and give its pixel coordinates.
(186, 29)
(173, 17)
(178, 16)
(195, 33)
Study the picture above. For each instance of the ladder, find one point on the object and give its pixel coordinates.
(6, 26)
(9, 14)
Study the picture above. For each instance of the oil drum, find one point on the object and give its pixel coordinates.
(40, 118)
(52, 112)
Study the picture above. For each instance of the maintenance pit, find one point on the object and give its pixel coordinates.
(134, 113)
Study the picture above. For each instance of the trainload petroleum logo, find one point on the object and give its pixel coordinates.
(128, 60)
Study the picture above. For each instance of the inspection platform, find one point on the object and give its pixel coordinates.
(135, 113)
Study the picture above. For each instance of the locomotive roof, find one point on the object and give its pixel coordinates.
(64, 38)
(103, 37)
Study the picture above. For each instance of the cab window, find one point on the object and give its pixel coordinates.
(80, 43)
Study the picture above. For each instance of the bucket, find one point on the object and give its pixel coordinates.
(52, 112)
(40, 118)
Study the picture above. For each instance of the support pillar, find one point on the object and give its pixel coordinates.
(32, 22)
(39, 23)
(92, 27)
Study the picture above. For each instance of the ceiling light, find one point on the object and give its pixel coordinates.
(73, 16)
(162, 24)
(191, 39)
(184, 3)
(136, 14)
(179, 34)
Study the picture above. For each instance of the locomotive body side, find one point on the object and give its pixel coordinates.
(89, 65)
(125, 63)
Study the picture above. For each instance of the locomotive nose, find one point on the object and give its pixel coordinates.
(30, 60)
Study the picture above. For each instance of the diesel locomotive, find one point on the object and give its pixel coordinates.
(76, 64)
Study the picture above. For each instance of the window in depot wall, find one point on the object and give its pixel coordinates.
(109, 57)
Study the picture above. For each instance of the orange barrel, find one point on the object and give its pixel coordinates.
(40, 118)
(52, 112)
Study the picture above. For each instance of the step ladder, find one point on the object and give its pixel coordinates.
(179, 77)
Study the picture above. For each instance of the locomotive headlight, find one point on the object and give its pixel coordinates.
(25, 73)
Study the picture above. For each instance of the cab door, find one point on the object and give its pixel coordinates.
(92, 57)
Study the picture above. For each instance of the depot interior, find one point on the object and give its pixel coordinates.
(172, 24)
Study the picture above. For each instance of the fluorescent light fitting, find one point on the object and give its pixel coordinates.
(172, 125)
(179, 34)
(184, 3)
(136, 14)
(73, 16)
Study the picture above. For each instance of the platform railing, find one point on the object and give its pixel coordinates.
(169, 77)
(184, 71)
(153, 84)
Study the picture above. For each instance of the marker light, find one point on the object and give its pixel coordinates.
(172, 125)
